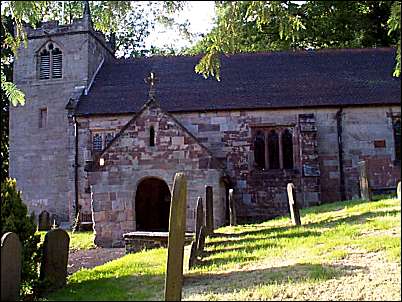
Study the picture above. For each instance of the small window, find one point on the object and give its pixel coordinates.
(397, 138)
(259, 150)
(43, 118)
(151, 136)
(97, 142)
(287, 149)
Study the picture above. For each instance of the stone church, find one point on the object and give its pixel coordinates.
(95, 136)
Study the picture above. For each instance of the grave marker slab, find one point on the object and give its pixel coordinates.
(232, 208)
(10, 267)
(398, 190)
(44, 221)
(365, 191)
(209, 209)
(54, 259)
(199, 218)
(293, 205)
(177, 224)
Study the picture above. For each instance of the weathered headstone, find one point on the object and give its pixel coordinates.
(209, 209)
(232, 208)
(293, 205)
(44, 221)
(398, 191)
(177, 225)
(201, 241)
(10, 267)
(193, 254)
(365, 191)
(199, 218)
(53, 269)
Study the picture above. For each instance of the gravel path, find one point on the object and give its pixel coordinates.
(92, 257)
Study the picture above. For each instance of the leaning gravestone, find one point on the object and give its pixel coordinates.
(398, 190)
(209, 209)
(199, 218)
(44, 221)
(54, 259)
(193, 254)
(365, 191)
(293, 204)
(177, 225)
(10, 267)
(201, 241)
(232, 208)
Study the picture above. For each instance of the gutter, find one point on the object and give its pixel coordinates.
(76, 165)
(339, 128)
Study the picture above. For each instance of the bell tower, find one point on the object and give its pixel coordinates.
(59, 62)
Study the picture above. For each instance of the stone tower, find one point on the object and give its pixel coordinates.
(57, 66)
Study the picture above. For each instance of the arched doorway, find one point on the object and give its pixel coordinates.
(152, 205)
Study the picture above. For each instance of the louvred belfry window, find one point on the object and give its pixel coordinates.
(50, 62)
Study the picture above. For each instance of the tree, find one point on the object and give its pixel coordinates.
(248, 26)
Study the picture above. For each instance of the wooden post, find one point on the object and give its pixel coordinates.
(177, 226)
(293, 205)
(209, 209)
(232, 208)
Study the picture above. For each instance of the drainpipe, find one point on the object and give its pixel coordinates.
(76, 165)
(339, 114)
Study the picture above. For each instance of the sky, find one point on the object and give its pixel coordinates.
(199, 13)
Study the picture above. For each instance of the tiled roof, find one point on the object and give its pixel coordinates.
(249, 81)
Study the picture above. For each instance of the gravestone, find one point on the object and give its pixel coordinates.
(293, 205)
(201, 241)
(44, 221)
(193, 254)
(209, 209)
(10, 267)
(398, 191)
(232, 208)
(365, 191)
(53, 270)
(177, 225)
(199, 218)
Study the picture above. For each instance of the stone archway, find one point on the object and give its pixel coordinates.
(152, 205)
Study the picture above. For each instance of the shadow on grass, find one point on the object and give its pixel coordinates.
(228, 282)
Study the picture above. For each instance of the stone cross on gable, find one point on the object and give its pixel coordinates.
(151, 80)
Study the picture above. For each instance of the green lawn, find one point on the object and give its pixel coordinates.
(344, 251)
(78, 240)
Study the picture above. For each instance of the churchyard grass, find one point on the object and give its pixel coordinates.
(78, 240)
(343, 251)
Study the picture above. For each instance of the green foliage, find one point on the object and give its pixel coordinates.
(14, 218)
(252, 26)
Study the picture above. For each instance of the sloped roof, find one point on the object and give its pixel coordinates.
(249, 81)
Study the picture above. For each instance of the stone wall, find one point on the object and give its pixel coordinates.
(262, 193)
(129, 159)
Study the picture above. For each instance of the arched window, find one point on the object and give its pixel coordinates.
(273, 149)
(287, 149)
(50, 62)
(259, 150)
(151, 136)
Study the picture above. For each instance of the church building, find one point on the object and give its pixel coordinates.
(106, 136)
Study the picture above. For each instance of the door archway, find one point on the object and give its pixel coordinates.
(152, 205)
